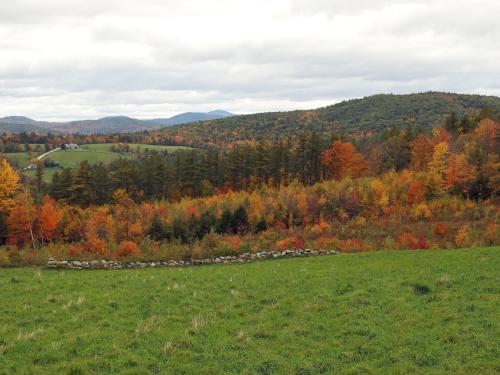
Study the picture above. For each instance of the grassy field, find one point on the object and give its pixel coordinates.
(426, 312)
(73, 158)
(93, 153)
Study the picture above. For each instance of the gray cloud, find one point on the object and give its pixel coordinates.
(78, 59)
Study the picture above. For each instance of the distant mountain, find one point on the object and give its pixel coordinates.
(113, 124)
(191, 117)
(372, 113)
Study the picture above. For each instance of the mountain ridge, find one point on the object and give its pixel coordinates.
(108, 124)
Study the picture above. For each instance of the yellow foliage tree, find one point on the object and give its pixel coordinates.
(439, 159)
(437, 168)
(9, 184)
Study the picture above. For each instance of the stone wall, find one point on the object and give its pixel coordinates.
(246, 257)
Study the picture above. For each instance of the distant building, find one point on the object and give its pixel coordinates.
(69, 146)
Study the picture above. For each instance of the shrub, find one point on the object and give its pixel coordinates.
(492, 233)
(93, 247)
(422, 211)
(236, 244)
(290, 243)
(422, 242)
(462, 238)
(407, 241)
(75, 249)
(353, 245)
(329, 243)
(128, 249)
(298, 243)
(441, 230)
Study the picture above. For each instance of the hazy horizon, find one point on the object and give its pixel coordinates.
(79, 118)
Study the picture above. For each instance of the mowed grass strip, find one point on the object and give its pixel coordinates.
(426, 312)
(134, 146)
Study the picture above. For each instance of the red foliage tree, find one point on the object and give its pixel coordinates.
(416, 192)
(441, 230)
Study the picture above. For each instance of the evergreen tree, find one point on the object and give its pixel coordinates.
(100, 184)
(39, 184)
(452, 123)
(81, 190)
(61, 185)
(158, 231)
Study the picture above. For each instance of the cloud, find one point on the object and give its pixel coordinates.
(76, 59)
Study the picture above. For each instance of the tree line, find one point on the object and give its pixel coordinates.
(307, 159)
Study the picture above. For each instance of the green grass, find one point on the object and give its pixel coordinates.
(73, 158)
(427, 312)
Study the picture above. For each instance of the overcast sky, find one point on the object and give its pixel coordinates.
(73, 59)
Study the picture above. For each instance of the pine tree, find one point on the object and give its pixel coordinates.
(452, 124)
(60, 186)
(39, 184)
(81, 190)
(100, 184)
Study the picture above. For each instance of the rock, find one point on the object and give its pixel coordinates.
(229, 259)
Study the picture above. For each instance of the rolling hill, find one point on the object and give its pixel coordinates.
(112, 124)
(371, 113)
(19, 124)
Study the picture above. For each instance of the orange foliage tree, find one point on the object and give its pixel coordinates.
(19, 224)
(49, 217)
(421, 153)
(460, 174)
(342, 159)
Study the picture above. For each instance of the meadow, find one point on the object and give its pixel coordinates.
(388, 312)
(100, 152)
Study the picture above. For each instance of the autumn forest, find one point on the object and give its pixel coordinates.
(399, 188)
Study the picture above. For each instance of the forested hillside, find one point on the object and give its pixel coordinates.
(369, 114)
